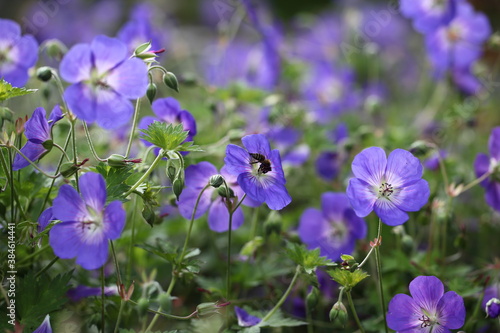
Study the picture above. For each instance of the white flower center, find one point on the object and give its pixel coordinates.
(385, 190)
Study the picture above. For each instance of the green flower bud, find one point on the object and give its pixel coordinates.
(44, 73)
(178, 186)
(165, 301)
(142, 306)
(68, 169)
(312, 298)
(420, 148)
(117, 161)
(173, 164)
(223, 193)
(48, 144)
(407, 243)
(145, 47)
(55, 48)
(273, 223)
(151, 92)
(338, 313)
(5, 115)
(170, 81)
(207, 309)
(216, 181)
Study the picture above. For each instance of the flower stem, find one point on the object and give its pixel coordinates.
(476, 181)
(285, 295)
(132, 238)
(353, 310)
(379, 274)
(34, 164)
(103, 321)
(134, 126)
(120, 311)
(91, 145)
(52, 262)
(10, 180)
(159, 313)
(75, 157)
(62, 151)
(146, 174)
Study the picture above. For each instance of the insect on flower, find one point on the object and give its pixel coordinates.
(265, 164)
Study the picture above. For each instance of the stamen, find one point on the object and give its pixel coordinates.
(426, 321)
(385, 190)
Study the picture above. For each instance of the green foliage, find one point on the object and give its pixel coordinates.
(39, 296)
(278, 320)
(308, 259)
(8, 91)
(347, 278)
(168, 137)
(116, 180)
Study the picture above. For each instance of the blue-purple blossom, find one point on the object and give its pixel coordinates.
(197, 176)
(329, 162)
(429, 309)
(45, 326)
(169, 110)
(491, 301)
(245, 319)
(81, 291)
(17, 53)
(432, 162)
(38, 130)
(484, 164)
(390, 186)
(286, 138)
(458, 43)
(430, 14)
(104, 80)
(87, 223)
(44, 219)
(259, 171)
(138, 29)
(334, 229)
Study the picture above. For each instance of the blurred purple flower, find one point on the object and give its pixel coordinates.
(17, 53)
(484, 164)
(44, 219)
(259, 171)
(459, 42)
(104, 80)
(285, 138)
(38, 131)
(390, 186)
(429, 309)
(245, 319)
(81, 291)
(432, 163)
(169, 110)
(86, 224)
(491, 301)
(428, 15)
(329, 163)
(45, 326)
(334, 229)
(466, 81)
(197, 177)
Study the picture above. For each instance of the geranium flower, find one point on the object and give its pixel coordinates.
(45, 326)
(197, 177)
(17, 53)
(484, 164)
(86, 224)
(390, 186)
(428, 15)
(104, 81)
(244, 318)
(38, 132)
(334, 228)
(259, 171)
(491, 301)
(429, 309)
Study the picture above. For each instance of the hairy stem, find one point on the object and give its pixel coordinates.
(285, 295)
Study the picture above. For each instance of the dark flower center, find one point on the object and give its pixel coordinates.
(426, 321)
(385, 190)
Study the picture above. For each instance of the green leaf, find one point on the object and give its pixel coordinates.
(162, 249)
(347, 278)
(308, 259)
(165, 136)
(116, 180)
(8, 91)
(278, 320)
(39, 296)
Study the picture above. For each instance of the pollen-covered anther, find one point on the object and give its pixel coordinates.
(426, 321)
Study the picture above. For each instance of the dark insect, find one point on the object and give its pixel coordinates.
(265, 164)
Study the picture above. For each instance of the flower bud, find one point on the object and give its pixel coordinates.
(142, 306)
(151, 92)
(312, 298)
(223, 193)
(5, 115)
(273, 223)
(338, 313)
(210, 308)
(165, 301)
(420, 148)
(117, 161)
(44, 73)
(170, 81)
(145, 47)
(55, 48)
(407, 243)
(493, 308)
(216, 181)
(173, 164)
(68, 169)
(178, 186)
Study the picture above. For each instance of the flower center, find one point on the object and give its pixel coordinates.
(336, 231)
(426, 321)
(454, 33)
(93, 222)
(265, 164)
(98, 81)
(385, 190)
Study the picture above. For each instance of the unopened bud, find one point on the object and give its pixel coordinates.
(68, 169)
(312, 298)
(420, 148)
(117, 161)
(273, 223)
(338, 313)
(210, 308)
(407, 243)
(142, 306)
(151, 92)
(493, 308)
(170, 81)
(44, 73)
(216, 181)
(178, 186)
(145, 47)
(55, 48)
(165, 301)
(223, 192)
(173, 164)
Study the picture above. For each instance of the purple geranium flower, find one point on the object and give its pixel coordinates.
(169, 110)
(38, 131)
(428, 15)
(45, 326)
(17, 53)
(138, 29)
(484, 164)
(491, 301)
(104, 81)
(259, 171)
(329, 163)
(334, 228)
(86, 223)
(197, 177)
(81, 291)
(390, 186)
(245, 319)
(458, 43)
(429, 309)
